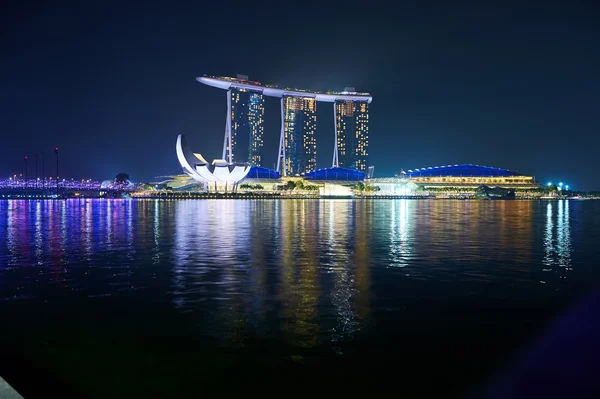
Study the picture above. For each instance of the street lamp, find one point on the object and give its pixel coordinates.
(56, 152)
(549, 183)
(26, 169)
(43, 174)
(567, 186)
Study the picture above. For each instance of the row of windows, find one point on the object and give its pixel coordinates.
(300, 108)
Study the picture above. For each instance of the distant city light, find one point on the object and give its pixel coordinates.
(567, 186)
(549, 183)
(560, 184)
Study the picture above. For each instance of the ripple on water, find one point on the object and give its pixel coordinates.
(301, 273)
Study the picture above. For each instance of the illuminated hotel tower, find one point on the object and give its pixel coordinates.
(244, 128)
(352, 134)
(299, 147)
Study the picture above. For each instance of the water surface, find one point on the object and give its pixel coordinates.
(164, 298)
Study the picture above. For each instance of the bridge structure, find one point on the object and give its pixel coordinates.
(49, 189)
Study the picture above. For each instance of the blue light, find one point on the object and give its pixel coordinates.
(560, 184)
(549, 183)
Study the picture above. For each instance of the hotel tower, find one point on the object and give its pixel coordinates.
(297, 155)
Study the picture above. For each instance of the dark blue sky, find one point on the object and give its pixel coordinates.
(112, 84)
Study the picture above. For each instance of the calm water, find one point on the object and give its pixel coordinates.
(121, 298)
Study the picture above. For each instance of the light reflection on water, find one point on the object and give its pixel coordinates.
(400, 233)
(304, 272)
(298, 281)
(557, 236)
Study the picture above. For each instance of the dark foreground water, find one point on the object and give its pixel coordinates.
(126, 298)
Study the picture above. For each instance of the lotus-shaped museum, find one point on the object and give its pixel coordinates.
(216, 176)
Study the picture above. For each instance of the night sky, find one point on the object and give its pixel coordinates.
(112, 84)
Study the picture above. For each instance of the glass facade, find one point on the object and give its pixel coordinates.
(247, 126)
(300, 125)
(352, 124)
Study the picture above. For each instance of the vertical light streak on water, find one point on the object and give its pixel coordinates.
(156, 230)
(560, 236)
(236, 269)
(3, 233)
(306, 279)
(88, 230)
(331, 230)
(59, 231)
(39, 243)
(262, 234)
(10, 234)
(129, 230)
(569, 248)
(343, 269)
(400, 250)
(362, 259)
(548, 237)
(4, 248)
(108, 225)
(63, 227)
(311, 272)
(404, 233)
(184, 235)
(287, 289)
(276, 220)
(21, 228)
(52, 229)
(563, 245)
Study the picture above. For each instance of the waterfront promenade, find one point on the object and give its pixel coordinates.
(66, 193)
(32, 190)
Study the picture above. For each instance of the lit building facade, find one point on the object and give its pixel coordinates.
(467, 174)
(352, 132)
(297, 144)
(299, 127)
(217, 176)
(450, 180)
(247, 126)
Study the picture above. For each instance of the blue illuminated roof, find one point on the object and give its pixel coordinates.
(258, 172)
(335, 174)
(461, 170)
